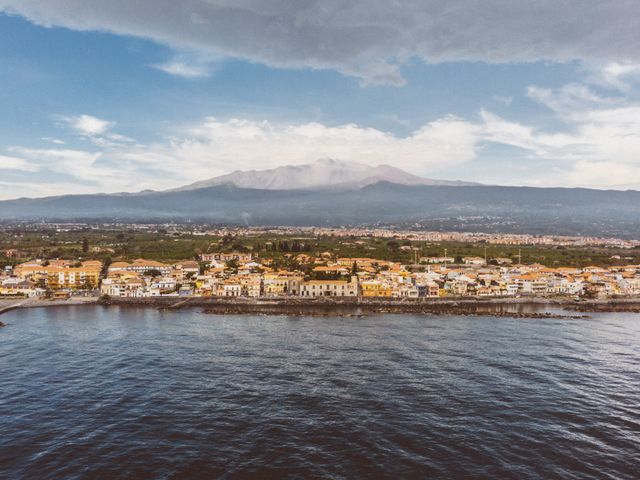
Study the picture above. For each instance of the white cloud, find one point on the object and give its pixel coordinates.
(599, 146)
(88, 125)
(16, 163)
(619, 76)
(76, 163)
(189, 65)
(181, 69)
(56, 141)
(97, 130)
(216, 147)
(369, 39)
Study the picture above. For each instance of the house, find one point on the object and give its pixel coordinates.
(186, 270)
(230, 289)
(14, 253)
(140, 266)
(282, 283)
(375, 288)
(329, 288)
(226, 257)
(473, 260)
(15, 286)
(437, 259)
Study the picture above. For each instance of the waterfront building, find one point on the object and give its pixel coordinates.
(61, 274)
(329, 288)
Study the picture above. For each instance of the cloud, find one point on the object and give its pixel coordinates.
(56, 141)
(181, 69)
(571, 101)
(97, 130)
(369, 40)
(595, 141)
(76, 163)
(215, 147)
(16, 163)
(599, 146)
(189, 66)
(88, 125)
(619, 76)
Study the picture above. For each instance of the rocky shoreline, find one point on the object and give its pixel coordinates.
(357, 307)
(522, 307)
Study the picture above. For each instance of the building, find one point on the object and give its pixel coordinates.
(329, 288)
(140, 266)
(282, 283)
(61, 274)
(437, 259)
(473, 260)
(376, 288)
(186, 270)
(226, 257)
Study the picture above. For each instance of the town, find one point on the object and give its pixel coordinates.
(245, 274)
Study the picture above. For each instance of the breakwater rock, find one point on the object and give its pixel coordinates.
(353, 307)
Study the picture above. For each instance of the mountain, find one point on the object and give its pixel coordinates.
(322, 174)
(559, 211)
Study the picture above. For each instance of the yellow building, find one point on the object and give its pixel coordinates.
(60, 275)
(374, 288)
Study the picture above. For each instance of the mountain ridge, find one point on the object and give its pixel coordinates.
(552, 211)
(324, 174)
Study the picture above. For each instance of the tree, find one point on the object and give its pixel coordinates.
(233, 265)
(284, 246)
(354, 268)
(227, 239)
(153, 273)
(105, 265)
(85, 245)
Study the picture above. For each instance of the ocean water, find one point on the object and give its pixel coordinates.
(109, 392)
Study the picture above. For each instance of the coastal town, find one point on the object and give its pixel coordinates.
(245, 274)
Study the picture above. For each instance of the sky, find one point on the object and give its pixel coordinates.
(122, 95)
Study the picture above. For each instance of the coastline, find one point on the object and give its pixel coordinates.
(522, 307)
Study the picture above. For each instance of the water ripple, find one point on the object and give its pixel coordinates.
(135, 393)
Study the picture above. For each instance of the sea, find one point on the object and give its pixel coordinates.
(93, 392)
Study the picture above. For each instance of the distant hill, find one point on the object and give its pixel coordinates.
(468, 208)
(322, 174)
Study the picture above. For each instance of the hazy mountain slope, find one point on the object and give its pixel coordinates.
(322, 174)
(481, 208)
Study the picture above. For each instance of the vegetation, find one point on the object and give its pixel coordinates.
(114, 244)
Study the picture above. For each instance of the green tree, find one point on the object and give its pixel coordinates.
(232, 265)
(85, 245)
